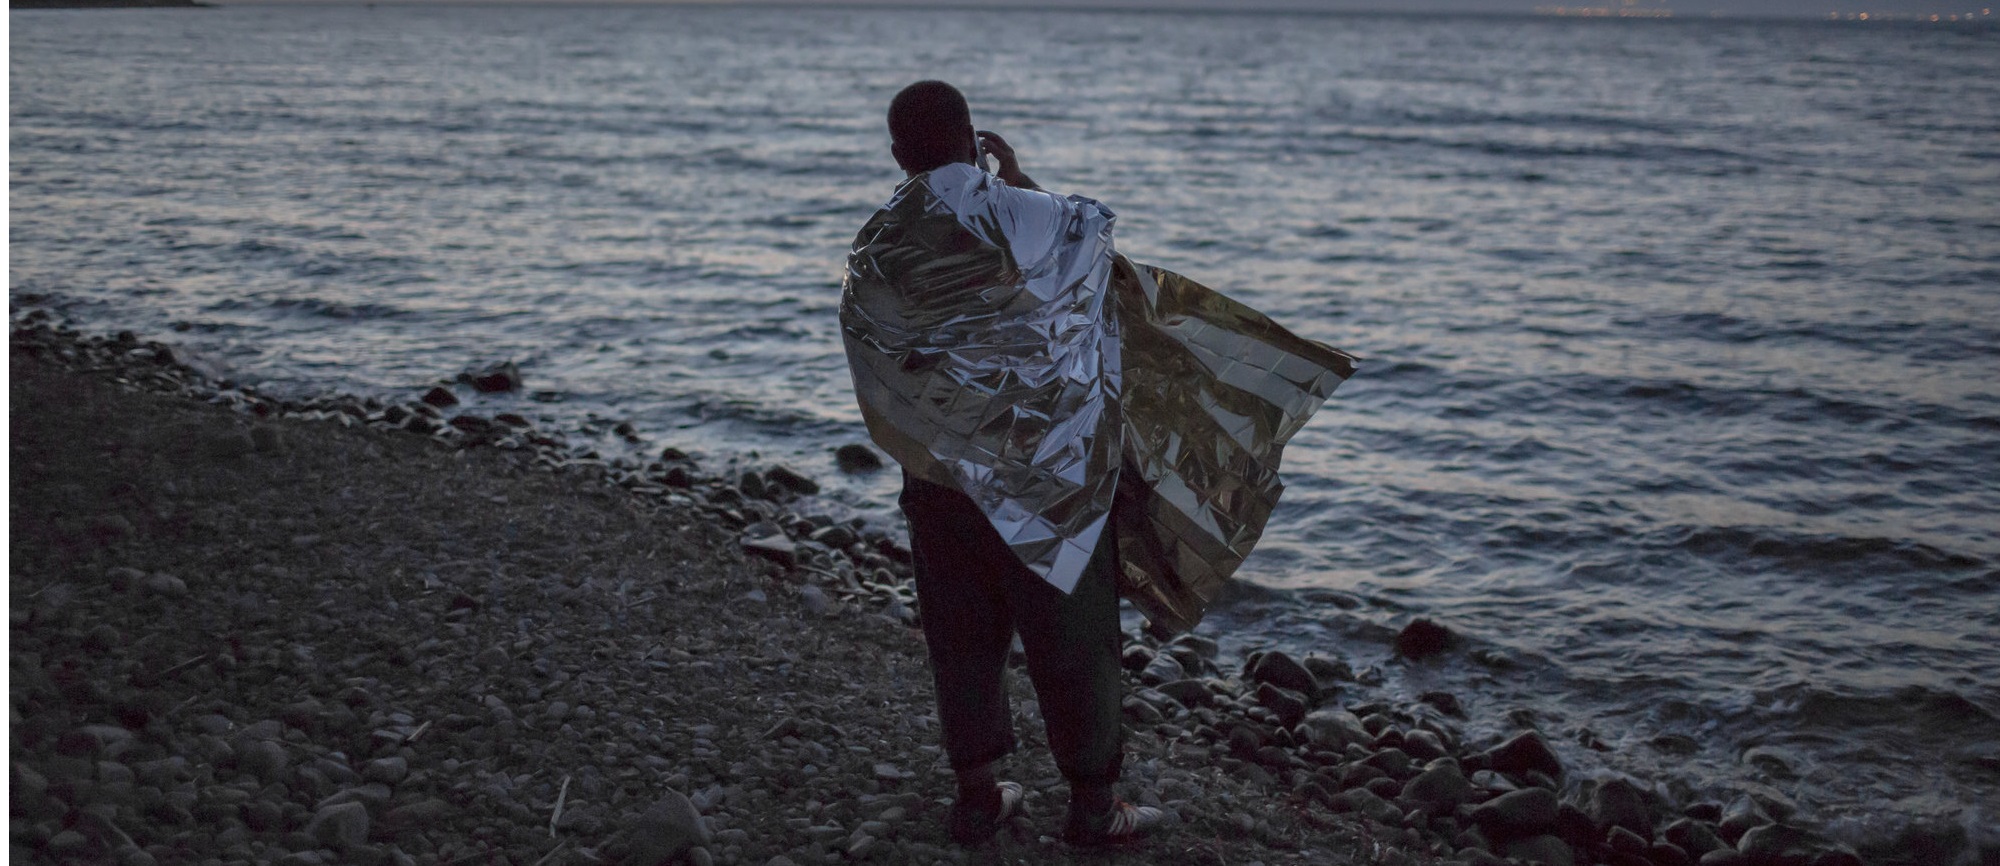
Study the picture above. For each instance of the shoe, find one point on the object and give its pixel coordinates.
(971, 826)
(1122, 824)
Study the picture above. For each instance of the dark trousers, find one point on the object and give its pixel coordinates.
(975, 595)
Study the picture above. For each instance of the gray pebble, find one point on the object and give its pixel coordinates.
(343, 824)
(388, 771)
(815, 600)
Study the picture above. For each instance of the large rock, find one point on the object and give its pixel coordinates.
(668, 828)
(1285, 672)
(1445, 702)
(1525, 753)
(1694, 837)
(493, 378)
(1422, 638)
(1667, 854)
(1780, 845)
(1329, 673)
(1188, 693)
(1527, 812)
(1135, 657)
(1290, 706)
(1743, 814)
(789, 479)
(1439, 789)
(1361, 801)
(1423, 745)
(340, 824)
(1545, 850)
(1619, 803)
(1335, 727)
(855, 457)
(1163, 669)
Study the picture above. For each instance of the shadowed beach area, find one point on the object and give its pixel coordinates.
(250, 629)
(243, 639)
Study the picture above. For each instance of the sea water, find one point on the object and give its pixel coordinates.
(1680, 399)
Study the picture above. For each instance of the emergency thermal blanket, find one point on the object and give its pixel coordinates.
(1000, 346)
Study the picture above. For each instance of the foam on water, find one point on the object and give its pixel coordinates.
(1680, 405)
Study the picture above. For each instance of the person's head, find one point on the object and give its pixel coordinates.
(930, 125)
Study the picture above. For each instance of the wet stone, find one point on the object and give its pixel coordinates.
(1205, 647)
(1394, 762)
(855, 457)
(836, 536)
(1328, 672)
(1625, 841)
(1141, 712)
(1525, 812)
(1189, 693)
(493, 378)
(1666, 854)
(1423, 746)
(1439, 789)
(1524, 753)
(1135, 657)
(1332, 726)
(1283, 671)
(1445, 702)
(1544, 849)
(1692, 836)
(1422, 638)
(1290, 707)
(1617, 803)
(791, 480)
(1780, 844)
(1163, 669)
(1743, 815)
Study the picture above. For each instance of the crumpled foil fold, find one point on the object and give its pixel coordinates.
(1212, 392)
(1034, 386)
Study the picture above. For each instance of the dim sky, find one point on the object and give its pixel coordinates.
(1817, 8)
(1698, 8)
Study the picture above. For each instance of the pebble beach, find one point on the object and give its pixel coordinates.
(256, 630)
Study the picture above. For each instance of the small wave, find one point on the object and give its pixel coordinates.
(316, 307)
(1932, 711)
(1799, 404)
(1811, 552)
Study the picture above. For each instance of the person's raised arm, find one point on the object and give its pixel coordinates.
(1010, 165)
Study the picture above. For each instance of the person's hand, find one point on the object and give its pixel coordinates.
(1003, 154)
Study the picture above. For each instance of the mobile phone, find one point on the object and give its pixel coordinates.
(980, 143)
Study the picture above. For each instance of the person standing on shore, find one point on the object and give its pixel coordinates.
(977, 326)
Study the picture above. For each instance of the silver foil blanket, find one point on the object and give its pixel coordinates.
(1000, 346)
(984, 359)
(1212, 392)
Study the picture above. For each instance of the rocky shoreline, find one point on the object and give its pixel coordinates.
(246, 629)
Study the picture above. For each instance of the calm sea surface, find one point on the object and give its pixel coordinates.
(1683, 338)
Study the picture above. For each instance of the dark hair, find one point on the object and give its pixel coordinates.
(929, 125)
